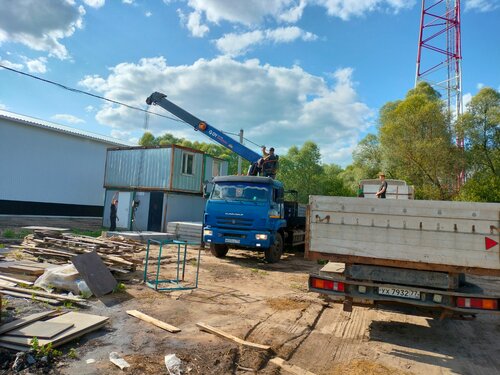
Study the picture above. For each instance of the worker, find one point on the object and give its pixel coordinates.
(112, 216)
(383, 186)
(269, 162)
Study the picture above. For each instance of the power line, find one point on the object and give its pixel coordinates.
(89, 94)
(147, 113)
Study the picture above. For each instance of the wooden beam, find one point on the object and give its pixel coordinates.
(153, 321)
(29, 296)
(288, 367)
(220, 333)
(42, 294)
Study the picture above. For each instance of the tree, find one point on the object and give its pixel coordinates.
(417, 144)
(480, 128)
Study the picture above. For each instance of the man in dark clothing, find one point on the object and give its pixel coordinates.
(269, 163)
(112, 215)
(383, 186)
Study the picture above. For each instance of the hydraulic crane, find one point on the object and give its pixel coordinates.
(157, 98)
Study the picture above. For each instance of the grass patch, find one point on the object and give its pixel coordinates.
(119, 288)
(12, 234)
(44, 350)
(283, 304)
(90, 233)
(259, 272)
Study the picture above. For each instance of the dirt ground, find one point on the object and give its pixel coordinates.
(269, 304)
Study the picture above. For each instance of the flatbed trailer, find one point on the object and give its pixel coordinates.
(405, 252)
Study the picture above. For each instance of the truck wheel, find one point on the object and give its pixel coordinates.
(273, 253)
(218, 250)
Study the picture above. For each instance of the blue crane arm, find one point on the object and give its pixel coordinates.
(161, 99)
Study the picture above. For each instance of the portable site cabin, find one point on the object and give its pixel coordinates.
(396, 189)
(157, 185)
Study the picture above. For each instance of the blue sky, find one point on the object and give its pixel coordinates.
(285, 71)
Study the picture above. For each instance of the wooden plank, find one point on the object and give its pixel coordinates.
(24, 321)
(6, 283)
(221, 333)
(41, 330)
(95, 273)
(42, 294)
(29, 296)
(288, 367)
(34, 227)
(15, 268)
(153, 321)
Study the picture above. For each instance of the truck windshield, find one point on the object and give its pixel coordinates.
(239, 192)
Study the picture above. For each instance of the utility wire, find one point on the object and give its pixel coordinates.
(147, 113)
(89, 94)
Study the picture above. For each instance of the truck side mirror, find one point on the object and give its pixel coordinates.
(280, 196)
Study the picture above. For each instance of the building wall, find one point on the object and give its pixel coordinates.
(184, 207)
(45, 172)
(128, 168)
(187, 182)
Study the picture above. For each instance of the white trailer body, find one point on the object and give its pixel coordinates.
(407, 247)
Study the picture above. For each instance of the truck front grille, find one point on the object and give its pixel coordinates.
(234, 222)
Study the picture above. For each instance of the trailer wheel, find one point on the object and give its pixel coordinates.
(218, 250)
(273, 253)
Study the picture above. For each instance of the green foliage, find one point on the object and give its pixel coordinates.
(2, 246)
(72, 353)
(44, 350)
(480, 128)
(9, 233)
(119, 288)
(69, 305)
(416, 143)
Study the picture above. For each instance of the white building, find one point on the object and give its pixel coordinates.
(49, 169)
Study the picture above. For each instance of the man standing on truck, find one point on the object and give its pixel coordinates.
(269, 163)
(383, 186)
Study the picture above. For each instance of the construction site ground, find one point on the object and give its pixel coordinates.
(269, 304)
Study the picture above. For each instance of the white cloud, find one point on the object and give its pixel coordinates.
(481, 5)
(10, 64)
(37, 65)
(89, 108)
(3, 106)
(148, 14)
(70, 119)
(195, 26)
(479, 86)
(237, 44)
(129, 2)
(466, 98)
(40, 24)
(95, 3)
(255, 12)
(276, 106)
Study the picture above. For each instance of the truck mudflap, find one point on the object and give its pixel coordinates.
(465, 301)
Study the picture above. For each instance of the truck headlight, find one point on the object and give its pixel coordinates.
(261, 236)
(274, 214)
(207, 232)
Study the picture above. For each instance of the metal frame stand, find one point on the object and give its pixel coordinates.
(180, 268)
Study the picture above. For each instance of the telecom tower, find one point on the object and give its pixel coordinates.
(439, 57)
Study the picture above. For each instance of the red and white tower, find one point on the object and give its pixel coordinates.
(439, 57)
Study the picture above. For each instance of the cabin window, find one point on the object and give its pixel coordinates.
(187, 163)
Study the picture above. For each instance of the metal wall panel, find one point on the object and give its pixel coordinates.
(149, 168)
(186, 182)
(184, 207)
(43, 165)
(209, 167)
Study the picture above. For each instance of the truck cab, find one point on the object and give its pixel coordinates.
(245, 212)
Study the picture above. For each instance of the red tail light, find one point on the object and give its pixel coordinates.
(327, 284)
(477, 303)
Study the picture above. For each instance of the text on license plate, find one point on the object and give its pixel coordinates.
(399, 292)
(231, 240)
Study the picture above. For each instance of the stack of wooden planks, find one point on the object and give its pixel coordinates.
(56, 330)
(59, 248)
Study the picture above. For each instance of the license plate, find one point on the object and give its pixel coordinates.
(399, 292)
(231, 240)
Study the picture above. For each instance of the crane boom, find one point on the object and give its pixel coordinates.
(160, 99)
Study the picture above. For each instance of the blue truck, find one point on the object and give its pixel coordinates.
(248, 212)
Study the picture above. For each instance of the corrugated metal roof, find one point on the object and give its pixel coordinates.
(61, 128)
